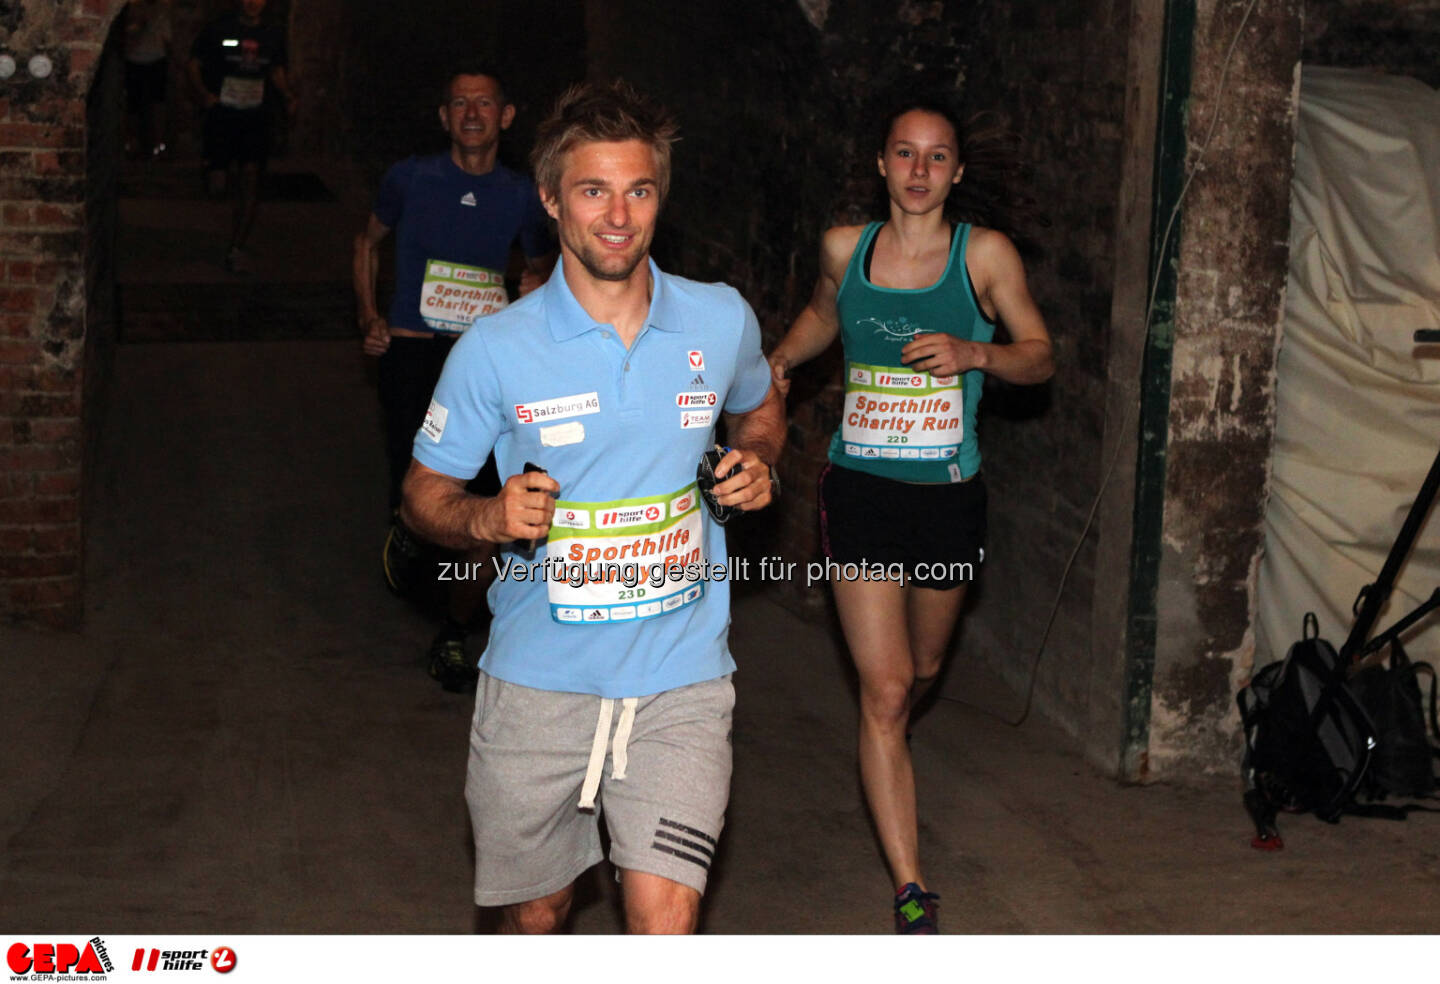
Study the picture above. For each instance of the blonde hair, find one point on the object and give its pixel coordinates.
(601, 113)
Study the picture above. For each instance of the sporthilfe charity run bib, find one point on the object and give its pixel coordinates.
(608, 561)
(238, 92)
(452, 296)
(894, 412)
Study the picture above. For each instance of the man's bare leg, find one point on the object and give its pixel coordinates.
(451, 662)
(247, 204)
(656, 905)
(543, 915)
(467, 597)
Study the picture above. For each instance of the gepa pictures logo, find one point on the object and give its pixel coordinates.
(60, 958)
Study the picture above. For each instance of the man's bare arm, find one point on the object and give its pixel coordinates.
(437, 507)
(373, 326)
(281, 80)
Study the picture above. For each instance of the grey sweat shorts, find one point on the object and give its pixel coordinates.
(662, 789)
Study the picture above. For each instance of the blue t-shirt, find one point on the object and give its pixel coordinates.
(444, 216)
(622, 431)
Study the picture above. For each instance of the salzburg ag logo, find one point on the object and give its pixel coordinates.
(60, 958)
(221, 959)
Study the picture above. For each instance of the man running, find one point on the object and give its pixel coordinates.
(232, 63)
(599, 393)
(456, 216)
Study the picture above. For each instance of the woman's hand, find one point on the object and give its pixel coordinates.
(780, 374)
(944, 355)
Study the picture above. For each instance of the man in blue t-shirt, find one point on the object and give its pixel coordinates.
(599, 393)
(234, 63)
(456, 216)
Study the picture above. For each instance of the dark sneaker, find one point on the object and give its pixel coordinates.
(236, 261)
(449, 664)
(401, 559)
(916, 912)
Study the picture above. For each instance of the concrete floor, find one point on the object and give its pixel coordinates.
(243, 736)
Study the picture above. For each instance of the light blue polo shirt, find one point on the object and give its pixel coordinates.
(622, 432)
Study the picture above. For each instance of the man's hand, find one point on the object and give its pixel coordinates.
(748, 489)
(521, 511)
(377, 336)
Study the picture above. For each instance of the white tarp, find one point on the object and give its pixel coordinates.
(1358, 403)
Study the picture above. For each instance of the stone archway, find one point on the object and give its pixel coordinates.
(56, 318)
(45, 272)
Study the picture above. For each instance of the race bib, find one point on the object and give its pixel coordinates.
(452, 296)
(896, 413)
(239, 92)
(627, 560)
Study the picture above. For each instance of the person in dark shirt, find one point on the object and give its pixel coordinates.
(455, 216)
(233, 64)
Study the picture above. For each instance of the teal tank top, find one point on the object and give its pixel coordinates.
(899, 423)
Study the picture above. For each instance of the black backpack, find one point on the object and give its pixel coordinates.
(1316, 741)
(1403, 763)
(1308, 739)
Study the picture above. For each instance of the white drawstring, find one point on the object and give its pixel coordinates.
(597, 756)
(618, 748)
(622, 738)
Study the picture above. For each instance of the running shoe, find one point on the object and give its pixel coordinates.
(449, 664)
(400, 559)
(236, 261)
(917, 911)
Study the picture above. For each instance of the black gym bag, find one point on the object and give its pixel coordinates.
(1308, 739)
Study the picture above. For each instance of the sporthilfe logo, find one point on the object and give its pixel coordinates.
(221, 959)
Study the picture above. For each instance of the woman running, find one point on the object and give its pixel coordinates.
(915, 301)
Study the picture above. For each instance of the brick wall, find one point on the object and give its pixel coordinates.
(1056, 72)
(44, 305)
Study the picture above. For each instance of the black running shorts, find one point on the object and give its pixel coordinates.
(409, 370)
(936, 532)
(236, 136)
